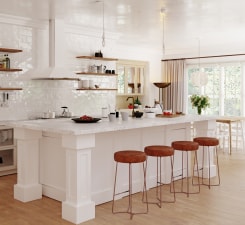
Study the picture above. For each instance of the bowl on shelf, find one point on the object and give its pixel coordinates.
(138, 114)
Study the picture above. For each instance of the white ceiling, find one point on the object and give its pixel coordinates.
(219, 24)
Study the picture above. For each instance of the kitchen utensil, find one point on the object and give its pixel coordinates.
(124, 116)
(101, 69)
(93, 69)
(85, 83)
(91, 84)
(98, 54)
(112, 117)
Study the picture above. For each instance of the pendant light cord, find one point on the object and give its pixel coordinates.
(163, 31)
(103, 33)
(199, 52)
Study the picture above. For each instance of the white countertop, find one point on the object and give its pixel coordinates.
(67, 126)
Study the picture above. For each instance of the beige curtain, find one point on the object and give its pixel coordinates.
(173, 72)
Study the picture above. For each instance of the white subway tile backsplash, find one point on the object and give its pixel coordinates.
(39, 96)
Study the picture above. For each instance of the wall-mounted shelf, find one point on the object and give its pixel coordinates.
(98, 89)
(96, 58)
(10, 89)
(61, 78)
(97, 74)
(10, 70)
(10, 50)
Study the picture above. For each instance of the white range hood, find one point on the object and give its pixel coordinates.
(57, 67)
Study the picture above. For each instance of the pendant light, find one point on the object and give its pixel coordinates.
(162, 85)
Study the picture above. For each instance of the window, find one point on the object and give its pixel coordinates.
(224, 88)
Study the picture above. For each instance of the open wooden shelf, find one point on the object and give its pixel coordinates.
(97, 74)
(10, 89)
(10, 70)
(96, 58)
(98, 89)
(53, 78)
(10, 50)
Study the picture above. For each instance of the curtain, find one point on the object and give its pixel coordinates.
(173, 72)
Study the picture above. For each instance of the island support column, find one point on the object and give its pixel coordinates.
(28, 187)
(206, 129)
(78, 206)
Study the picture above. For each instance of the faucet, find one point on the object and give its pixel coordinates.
(133, 113)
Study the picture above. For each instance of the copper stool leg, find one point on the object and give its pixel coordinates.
(130, 203)
(160, 184)
(217, 164)
(187, 192)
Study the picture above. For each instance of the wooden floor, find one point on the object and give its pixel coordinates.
(222, 205)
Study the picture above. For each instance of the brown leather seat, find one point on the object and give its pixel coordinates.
(185, 145)
(206, 141)
(129, 156)
(159, 150)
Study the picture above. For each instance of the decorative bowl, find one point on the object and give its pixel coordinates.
(138, 114)
(150, 114)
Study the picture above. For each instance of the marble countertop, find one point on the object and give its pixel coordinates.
(67, 126)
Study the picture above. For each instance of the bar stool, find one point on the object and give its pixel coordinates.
(130, 157)
(161, 151)
(209, 142)
(186, 147)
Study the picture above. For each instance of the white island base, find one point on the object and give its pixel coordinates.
(73, 163)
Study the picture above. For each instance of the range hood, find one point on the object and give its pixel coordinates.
(57, 66)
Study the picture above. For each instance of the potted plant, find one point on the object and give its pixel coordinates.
(137, 103)
(201, 102)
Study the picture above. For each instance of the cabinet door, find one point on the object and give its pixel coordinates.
(131, 76)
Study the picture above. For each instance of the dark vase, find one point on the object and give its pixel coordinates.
(199, 110)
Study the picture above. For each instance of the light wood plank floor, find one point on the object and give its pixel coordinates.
(222, 205)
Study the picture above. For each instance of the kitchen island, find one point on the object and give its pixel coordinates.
(73, 162)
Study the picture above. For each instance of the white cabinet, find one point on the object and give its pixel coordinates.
(7, 151)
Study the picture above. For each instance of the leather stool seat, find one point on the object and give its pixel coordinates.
(206, 141)
(209, 142)
(185, 145)
(130, 157)
(159, 150)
